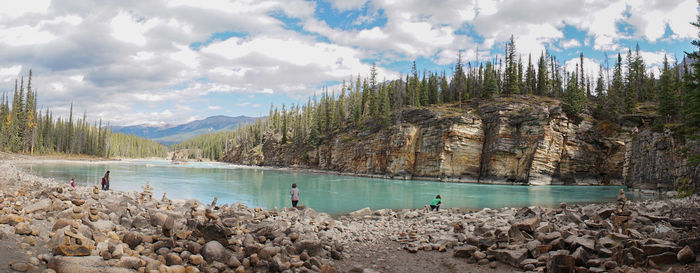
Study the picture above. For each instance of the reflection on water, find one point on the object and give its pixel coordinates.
(328, 193)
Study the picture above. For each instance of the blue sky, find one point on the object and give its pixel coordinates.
(173, 61)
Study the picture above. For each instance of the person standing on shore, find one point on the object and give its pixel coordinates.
(72, 183)
(295, 195)
(435, 205)
(105, 181)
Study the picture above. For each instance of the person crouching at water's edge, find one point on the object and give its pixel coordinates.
(435, 205)
(105, 181)
(295, 195)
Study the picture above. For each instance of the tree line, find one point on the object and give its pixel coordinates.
(370, 103)
(25, 129)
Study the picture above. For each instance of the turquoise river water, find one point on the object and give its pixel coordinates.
(334, 194)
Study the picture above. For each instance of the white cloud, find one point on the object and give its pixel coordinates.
(132, 30)
(344, 5)
(214, 107)
(15, 9)
(570, 43)
(24, 35)
(9, 73)
(121, 57)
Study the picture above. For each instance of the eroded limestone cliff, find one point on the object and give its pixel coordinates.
(517, 140)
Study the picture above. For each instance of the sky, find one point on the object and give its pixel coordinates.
(173, 61)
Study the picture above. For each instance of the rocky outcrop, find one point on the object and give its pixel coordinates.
(657, 161)
(516, 140)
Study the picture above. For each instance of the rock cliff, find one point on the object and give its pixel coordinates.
(518, 140)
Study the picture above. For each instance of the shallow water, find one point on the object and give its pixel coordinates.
(258, 187)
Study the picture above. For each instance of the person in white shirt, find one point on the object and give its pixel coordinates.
(295, 195)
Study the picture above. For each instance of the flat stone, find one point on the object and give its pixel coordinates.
(130, 262)
(90, 264)
(663, 258)
(21, 267)
(528, 225)
(653, 249)
(72, 250)
(511, 257)
(464, 251)
(361, 212)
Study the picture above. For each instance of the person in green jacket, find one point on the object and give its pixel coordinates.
(435, 205)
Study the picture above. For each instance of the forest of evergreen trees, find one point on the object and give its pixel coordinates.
(25, 129)
(370, 103)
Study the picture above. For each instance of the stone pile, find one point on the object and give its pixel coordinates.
(591, 238)
(131, 232)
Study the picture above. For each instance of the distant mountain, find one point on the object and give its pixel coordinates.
(171, 134)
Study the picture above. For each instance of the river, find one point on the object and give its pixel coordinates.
(334, 194)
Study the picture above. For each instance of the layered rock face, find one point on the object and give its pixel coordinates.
(655, 161)
(516, 140)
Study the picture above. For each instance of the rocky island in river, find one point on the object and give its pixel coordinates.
(49, 227)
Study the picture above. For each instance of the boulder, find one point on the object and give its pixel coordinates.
(158, 219)
(464, 251)
(686, 255)
(511, 257)
(560, 263)
(313, 247)
(173, 259)
(133, 239)
(102, 226)
(197, 259)
(140, 222)
(214, 231)
(528, 224)
(580, 256)
(23, 229)
(214, 251)
(268, 252)
(361, 212)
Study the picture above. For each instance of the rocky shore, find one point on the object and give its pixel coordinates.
(49, 227)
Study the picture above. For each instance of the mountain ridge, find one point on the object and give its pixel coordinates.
(173, 133)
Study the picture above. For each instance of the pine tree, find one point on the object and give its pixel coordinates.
(424, 100)
(490, 84)
(542, 77)
(433, 89)
(530, 81)
(574, 99)
(616, 91)
(691, 96)
(458, 83)
(668, 102)
(512, 82)
(284, 124)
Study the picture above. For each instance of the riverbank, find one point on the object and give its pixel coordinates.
(111, 231)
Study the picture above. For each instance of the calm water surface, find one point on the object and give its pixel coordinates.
(257, 187)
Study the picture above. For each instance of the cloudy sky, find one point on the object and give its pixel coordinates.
(173, 61)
